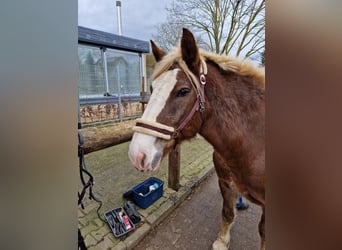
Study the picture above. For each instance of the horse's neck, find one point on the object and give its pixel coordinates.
(234, 118)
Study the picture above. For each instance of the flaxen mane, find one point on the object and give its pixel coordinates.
(241, 67)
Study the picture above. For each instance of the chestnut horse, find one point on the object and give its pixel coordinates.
(222, 99)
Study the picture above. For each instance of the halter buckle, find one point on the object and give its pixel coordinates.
(175, 134)
(202, 79)
(201, 106)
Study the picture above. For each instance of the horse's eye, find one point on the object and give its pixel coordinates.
(183, 92)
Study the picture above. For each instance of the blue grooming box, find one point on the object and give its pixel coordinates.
(141, 195)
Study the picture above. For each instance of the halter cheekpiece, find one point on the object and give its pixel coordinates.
(166, 132)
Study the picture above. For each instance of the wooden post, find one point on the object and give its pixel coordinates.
(174, 168)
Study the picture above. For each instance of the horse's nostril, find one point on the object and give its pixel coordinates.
(142, 162)
(156, 159)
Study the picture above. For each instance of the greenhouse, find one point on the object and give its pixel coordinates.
(112, 76)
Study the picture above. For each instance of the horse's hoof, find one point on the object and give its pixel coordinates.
(219, 245)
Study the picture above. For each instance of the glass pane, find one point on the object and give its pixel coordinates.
(124, 72)
(91, 81)
(124, 85)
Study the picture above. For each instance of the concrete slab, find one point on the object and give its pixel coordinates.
(137, 236)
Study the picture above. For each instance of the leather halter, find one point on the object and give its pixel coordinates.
(166, 132)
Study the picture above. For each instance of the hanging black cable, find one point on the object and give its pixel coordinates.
(86, 184)
(81, 244)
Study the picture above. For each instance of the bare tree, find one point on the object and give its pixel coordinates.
(235, 27)
(169, 34)
(263, 60)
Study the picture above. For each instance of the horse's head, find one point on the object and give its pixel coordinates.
(171, 114)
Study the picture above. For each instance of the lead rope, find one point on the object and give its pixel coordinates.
(89, 184)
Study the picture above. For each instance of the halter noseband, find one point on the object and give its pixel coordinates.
(166, 132)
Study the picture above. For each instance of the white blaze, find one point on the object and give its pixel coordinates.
(162, 88)
(143, 144)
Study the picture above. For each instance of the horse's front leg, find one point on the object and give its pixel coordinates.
(229, 197)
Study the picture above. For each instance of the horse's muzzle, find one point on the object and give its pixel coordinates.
(144, 159)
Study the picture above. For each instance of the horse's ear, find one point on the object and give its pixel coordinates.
(158, 53)
(190, 53)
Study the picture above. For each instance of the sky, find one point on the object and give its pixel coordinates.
(138, 17)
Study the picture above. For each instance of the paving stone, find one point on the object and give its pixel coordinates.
(91, 216)
(168, 191)
(147, 211)
(161, 213)
(84, 221)
(86, 230)
(111, 237)
(98, 222)
(206, 172)
(143, 212)
(100, 233)
(105, 244)
(159, 202)
(89, 207)
(132, 240)
(90, 241)
(80, 214)
(120, 246)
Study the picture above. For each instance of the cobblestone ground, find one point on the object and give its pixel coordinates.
(114, 174)
(196, 223)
